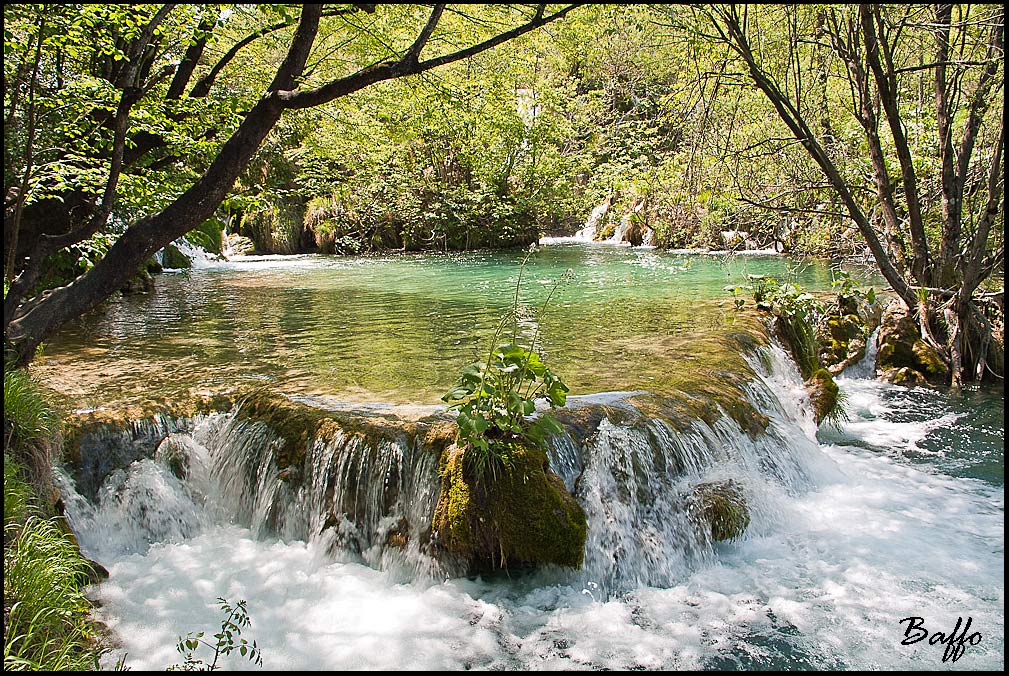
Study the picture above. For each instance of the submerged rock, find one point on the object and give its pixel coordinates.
(721, 505)
(172, 258)
(142, 282)
(524, 515)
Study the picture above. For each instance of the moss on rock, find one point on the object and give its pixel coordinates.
(525, 516)
(712, 379)
(172, 258)
(823, 394)
(929, 361)
(722, 505)
(902, 349)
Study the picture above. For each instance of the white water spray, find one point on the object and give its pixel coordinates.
(843, 543)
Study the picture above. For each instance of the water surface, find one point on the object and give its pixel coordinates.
(398, 328)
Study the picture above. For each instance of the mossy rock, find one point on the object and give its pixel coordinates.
(823, 394)
(844, 337)
(845, 328)
(524, 516)
(174, 259)
(928, 361)
(300, 425)
(906, 376)
(902, 349)
(722, 505)
(142, 282)
(897, 334)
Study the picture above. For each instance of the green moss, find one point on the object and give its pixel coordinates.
(928, 360)
(526, 516)
(711, 377)
(902, 350)
(299, 425)
(172, 258)
(453, 513)
(823, 394)
(906, 376)
(722, 505)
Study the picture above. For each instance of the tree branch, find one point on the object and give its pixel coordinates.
(386, 70)
(413, 54)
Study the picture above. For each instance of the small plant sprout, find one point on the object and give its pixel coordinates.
(227, 641)
(495, 394)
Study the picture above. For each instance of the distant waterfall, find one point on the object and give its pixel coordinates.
(588, 231)
(866, 367)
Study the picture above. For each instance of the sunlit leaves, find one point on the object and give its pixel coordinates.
(496, 396)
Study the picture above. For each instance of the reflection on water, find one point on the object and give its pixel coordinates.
(397, 328)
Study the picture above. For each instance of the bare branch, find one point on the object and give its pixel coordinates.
(413, 54)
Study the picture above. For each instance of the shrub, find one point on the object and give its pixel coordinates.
(495, 395)
(236, 617)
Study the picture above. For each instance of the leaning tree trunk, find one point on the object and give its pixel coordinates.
(37, 319)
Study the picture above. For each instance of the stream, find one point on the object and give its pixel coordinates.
(896, 513)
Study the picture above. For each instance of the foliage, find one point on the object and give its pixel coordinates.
(28, 413)
(494, 396)
(798, 313)
(32, 424)
(19, 499)
(848, 292)
(46, 614)
(236, 617)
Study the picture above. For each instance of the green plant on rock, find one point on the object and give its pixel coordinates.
(797, 312)
(495, 395)
(236, 617)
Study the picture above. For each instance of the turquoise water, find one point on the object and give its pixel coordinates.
(398, 328)
(899, 511)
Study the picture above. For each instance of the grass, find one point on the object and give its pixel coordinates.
(28, 415)
(47, 623)
(32, 423)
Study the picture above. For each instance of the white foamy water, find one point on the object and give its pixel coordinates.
(844, 542)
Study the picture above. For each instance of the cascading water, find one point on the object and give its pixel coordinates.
(843, 543)
(588, 231)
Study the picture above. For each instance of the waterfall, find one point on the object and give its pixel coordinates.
(332, 548)
(634, 474)
(366, 498)
(866, 367)
(367, 493)
(588, 231)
